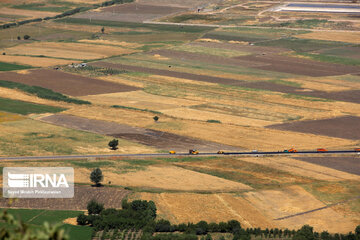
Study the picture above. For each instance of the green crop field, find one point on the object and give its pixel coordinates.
(24, 108)
(10, 66)
(36, 217)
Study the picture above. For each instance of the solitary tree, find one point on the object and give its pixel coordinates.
(96, 176)
(156, 118)
(26, 37)
(102, 30)
(113, 144)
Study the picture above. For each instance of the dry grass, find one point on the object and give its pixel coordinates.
(8, 117)
(113, 43)
(194, 114)
(35, 61)
(191, 207)
(68, 50)
(140, 99)
(28, 13)
(302, 168)
(350, 37)
(294, 199)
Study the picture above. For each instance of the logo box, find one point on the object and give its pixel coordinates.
(38, 182)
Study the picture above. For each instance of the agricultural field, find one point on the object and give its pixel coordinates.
(171, 75)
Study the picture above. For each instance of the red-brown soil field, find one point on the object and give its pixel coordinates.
(70, 84)
(190, 76)
(350, 164)
(148, 137)
(299, 66)
(341, 127)
(109, 196)
(132, 12)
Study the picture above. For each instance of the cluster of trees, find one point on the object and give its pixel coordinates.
(136, 215)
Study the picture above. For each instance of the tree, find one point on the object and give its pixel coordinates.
(96, 176)
(102, 30)
(81, 219)
(304, 233)
(113, 144)
(357, 231)
(18, 38)
(26, 37)
(156, 118)
(94, 207)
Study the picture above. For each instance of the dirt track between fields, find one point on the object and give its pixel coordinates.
(110, 197)
(148, 137)
(66, 83)
(190, 76)
(346, 164)
(341, 127)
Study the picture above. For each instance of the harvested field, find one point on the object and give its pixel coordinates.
(110, 197)
(131, 12)
(240, 47)
(195, 114)
(180, 179)
(7, 117)
(191, 207)
(68, 50)
(169, 73)
(280, 203)
(178, 3)
(35, 61)
(341, 127)
(304, 168)
(148, 137)
(345, 96)
(70, 84)
(28, 13)
(140, 99)
(205, 58)
(350, 37)
(299, 66)
(345, 164)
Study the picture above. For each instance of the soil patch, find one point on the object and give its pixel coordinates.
(205, 58)
(148, 137)
(132, 12)
(110, 197)
(346, 164)
(70, 84)
(341, 127)
(196, 77)
(299, 66)
(345, 96)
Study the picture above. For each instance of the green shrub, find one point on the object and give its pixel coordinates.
(213, 121)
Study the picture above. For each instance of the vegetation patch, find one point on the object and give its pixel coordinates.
(134, 108)
(10, 66)
(331, 59)
(24, 108)
(196, 17)
(41, 92)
